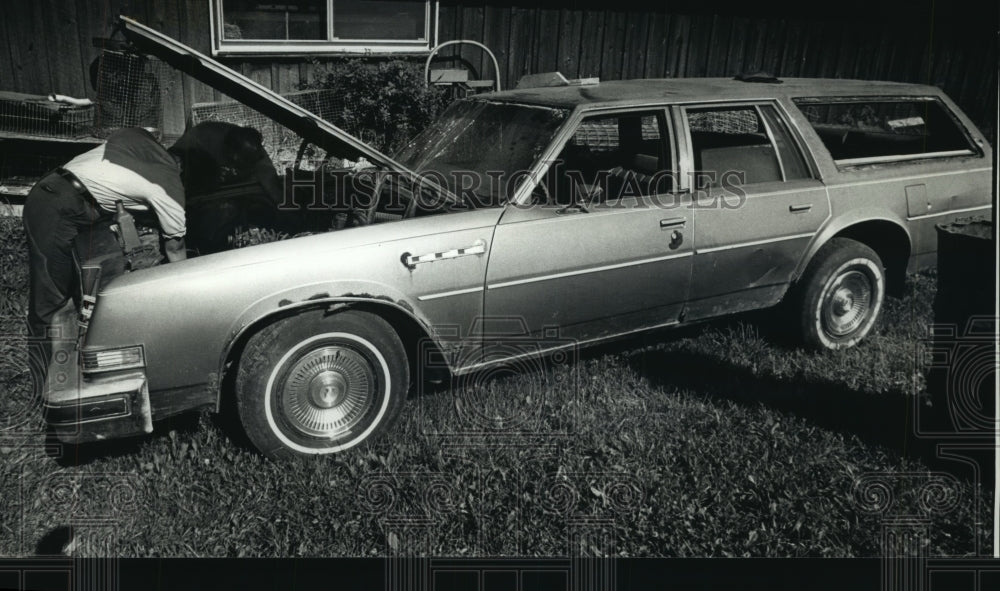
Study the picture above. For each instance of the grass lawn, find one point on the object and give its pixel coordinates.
(717, 440)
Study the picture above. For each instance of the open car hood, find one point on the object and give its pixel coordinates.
(239, 87)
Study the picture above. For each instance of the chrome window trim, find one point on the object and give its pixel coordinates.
(522, 195)
(903, 157)
(794, 132)
(774, 144)
(686, 158)
(847, 164)
(800, 144)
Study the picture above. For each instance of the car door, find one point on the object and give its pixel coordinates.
(608, 250)
(758, 203)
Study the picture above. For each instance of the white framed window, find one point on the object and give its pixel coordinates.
(289, 27)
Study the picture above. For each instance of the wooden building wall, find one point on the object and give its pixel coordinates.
(45, 45)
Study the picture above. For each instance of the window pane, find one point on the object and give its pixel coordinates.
(602, 134)
(792, 162)
(870, 129)
(478, 140)
(731, 143)
(378, 19)
(614, 157)
(281, 20)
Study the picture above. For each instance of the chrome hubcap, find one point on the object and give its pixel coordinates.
(843, 302)
(848, 303)
(327, 389)
(328, 392)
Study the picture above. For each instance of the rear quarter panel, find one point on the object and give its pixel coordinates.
(916, 195)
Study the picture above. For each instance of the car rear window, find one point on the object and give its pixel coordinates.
(862, 130)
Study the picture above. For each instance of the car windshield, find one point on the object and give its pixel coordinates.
(483, 147)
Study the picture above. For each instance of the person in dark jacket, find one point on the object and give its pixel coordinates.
(71, 201)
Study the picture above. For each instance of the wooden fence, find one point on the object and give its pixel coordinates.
(611, 44)
(45, 45)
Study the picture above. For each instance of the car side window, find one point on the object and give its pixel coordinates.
(613, 157)
(861, 130)
(734, 146)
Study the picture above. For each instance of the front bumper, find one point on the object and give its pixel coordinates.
(82, 408)
(105, 408)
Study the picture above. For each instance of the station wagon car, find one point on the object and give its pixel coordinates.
(563, 216)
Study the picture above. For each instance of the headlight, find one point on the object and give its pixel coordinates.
(113, 359)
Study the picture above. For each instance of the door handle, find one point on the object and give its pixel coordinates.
(800, 208)
(671, 223)
(411, 261)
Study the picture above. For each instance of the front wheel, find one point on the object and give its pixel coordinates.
(316, 384)
(841, 295)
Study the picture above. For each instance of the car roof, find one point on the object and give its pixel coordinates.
(632, 92)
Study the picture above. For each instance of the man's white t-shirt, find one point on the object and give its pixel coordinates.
(132, 167)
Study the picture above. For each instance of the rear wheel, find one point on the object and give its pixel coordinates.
(313, 385)
(841, 295)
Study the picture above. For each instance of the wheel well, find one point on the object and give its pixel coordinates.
(416, 341)
(892, 245)
(411, 333)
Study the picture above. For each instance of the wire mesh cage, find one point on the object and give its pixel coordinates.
(281, 143)
(33, 115)
(131, 90)
(729, 121)
(602, 134)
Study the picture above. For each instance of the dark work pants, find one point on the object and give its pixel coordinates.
(55, 216)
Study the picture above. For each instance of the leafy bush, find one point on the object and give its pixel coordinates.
(385, 103)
